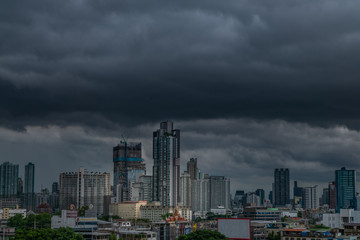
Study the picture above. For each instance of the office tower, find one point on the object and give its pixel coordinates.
(83, 188)
(325, 197)
(200, 195)
(219, 192)
(271, 196)
(238, 198)
(253, 199)
(29, 192)
(55, 187)
(166, 170)
(282, 186)
(185, 189)
(192, 168)
(20, 188)
(332, 195)
(297, 190)
(128, 167)
(261, 194)
(147, 187)
(311, 197)
(9, 174)
(345, 188)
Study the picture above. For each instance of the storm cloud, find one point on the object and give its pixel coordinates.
(258, 84)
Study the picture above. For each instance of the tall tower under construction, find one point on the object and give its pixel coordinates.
(128, 167)
(166, 170)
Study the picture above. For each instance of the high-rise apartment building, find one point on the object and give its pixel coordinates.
(219, 192)
(166, 169)
(261, 194)
(282, 186)
(147, 182)
(311, 197)
(29, 187)
(185, 189)
(345, 187)
(332, 195)
(83, 188)
(192, 168)
(200, 195)
(9, 174)
(325, 199)
(128, 167)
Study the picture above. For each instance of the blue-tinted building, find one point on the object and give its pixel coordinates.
(9, 174)
(345, 187)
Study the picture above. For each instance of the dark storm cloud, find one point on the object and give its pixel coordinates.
(63, 61)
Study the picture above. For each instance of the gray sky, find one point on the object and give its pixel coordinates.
(253, 85)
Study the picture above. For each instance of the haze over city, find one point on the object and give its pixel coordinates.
(252, 85)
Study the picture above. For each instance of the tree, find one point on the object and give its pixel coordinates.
(47, 234)
(273, 236)
(42, 220)
(81, 211)
(299, 214)
(203, 235)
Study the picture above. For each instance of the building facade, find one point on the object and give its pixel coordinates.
(219, 192)
(166, 169)
(311, 197)
(128, 167)
(192, 168)
(281, 186)
(127, 210)
(9, 174)
(200, 195)
(185, 189)
(345, 188)
(83, 188)
(29, 189)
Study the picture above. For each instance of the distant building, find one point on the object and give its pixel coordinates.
(9, 174)
(192, 168)
(282, 186)
(185, 189)
(238, 198)
(6, 213)
(337, 220)
(325, 198)
(44, 208)
(83, 188)
(261, 194)
(253, 199)
(311, 197)
(127, 210)
(297, 190)
(29, 191)
(166, 169)
(200, 195)
(155, 211)
(147, 182)
(219, 192)
(332, 195)
(262, 214)
(345, 187)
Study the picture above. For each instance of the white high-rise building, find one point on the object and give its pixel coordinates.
(83, 188)
(200, 195)
(185, 189)
(311, 197)
(219, 192)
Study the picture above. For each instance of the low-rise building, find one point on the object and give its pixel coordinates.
(155, 211)
(264, 214)
(7, 213)
(337, 220)
(127, 210)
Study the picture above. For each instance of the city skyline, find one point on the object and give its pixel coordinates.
(250, 84)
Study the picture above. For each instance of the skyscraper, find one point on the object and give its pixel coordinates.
(311, 197)
(345, 187)
(200, 195)
(166, 170)
(282, 186)
(192, 168)
(9, 174)
(83, 188)
(128, 167)
(332, 195)
(29, 191)
(219, 192)
(261, 194)
(185, 189)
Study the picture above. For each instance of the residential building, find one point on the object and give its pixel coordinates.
(261, 213)
(261, 194)
(83, 188)
(166, 169)
(332, 195)
(311, 197)
(238, 198)
(6, 213)
(128, 167)
(253, 199)
(219, 192)
(297, 190)
(192, 168)
(127, 210)
(337, 220)
(282, 186)
(185, 189)
(200, 195)
(147, 182)
(9, 174)
(155, 211)
(29, 190)
(345, 188)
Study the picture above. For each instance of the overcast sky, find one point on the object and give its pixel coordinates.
(253, 85)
